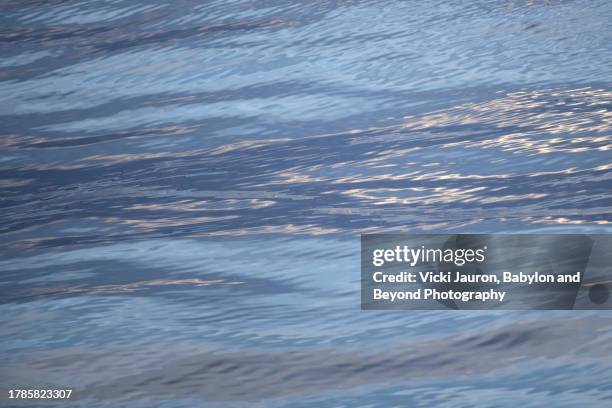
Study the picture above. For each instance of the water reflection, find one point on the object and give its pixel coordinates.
(182, 185)
(526, 157)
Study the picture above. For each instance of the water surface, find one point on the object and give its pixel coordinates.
(183, 185)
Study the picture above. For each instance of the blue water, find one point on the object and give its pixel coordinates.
(183, 185)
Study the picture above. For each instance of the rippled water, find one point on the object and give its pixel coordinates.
(183, 185)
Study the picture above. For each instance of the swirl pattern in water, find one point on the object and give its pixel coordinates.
(183, 185)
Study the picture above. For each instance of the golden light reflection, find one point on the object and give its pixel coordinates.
(116, 288)
(513, 157)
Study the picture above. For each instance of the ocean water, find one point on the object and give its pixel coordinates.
(183, 185)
